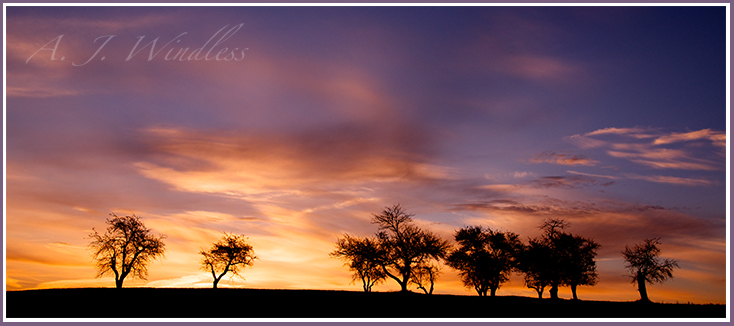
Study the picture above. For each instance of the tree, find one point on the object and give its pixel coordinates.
(559, 258)
(644, 266)
(125, 248)
(533, 263)
(580, 267)
(229, 254)
(404, 246)
(554, 268)
(363, 258)
(425, 275)
(485, 258)
(401, 251)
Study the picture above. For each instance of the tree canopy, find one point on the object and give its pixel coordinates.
(125, 248)
(644, 265)
(404, 246)
(228, 255)
(559, 258)
(362, 255)
(400, 251)
(485, 258)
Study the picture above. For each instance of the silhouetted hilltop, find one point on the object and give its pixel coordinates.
(256, 303)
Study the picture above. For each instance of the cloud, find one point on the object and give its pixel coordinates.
(563, 159)
(593, 175)
(717, 138)
(272, 165)
(673, 180)
(571, 181)
(523, 174)
(13, 283)
(663, 158)
(637, 132)
(585, 142)
(612, 223)
(39, 92)
(695, 150)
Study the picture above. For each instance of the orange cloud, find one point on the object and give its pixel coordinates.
(563, 159)
(718, 138)
(274, 165)
(637, 132)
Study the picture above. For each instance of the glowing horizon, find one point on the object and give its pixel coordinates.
(313, 118)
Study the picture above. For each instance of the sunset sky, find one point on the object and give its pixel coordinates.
(313, 118)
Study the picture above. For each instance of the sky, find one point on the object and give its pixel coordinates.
(292, 125)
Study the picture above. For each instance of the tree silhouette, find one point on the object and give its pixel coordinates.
(533, 263)
(404, 246)
(425, 275)
(554, 268)
(485, 258)
(125, 248)
(644, 266)
(400, 251)
(363, 258)
(559, 258)
(580, 267)
(229, 254)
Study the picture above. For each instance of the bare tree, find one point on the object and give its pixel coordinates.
(404, 246)
(362, 255)
(229, 254)
(125, 248)
(400, 251)
(485, 258)
(425, 275)
(644, 266)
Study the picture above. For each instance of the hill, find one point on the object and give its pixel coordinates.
(257, 303)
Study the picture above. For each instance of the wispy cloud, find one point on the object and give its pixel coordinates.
(240, 165)
(663, 158)
(571, 181)
(673, 180)
(563, 159)
(695, 150)
(717, 138)
(39, 92)
(637, 132)
(593, 175)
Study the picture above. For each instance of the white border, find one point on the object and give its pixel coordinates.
(422, 320)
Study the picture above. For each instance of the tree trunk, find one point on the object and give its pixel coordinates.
(216, 281)
(492, 291)
(540, 292)
(118, 283)
(641, 287)
(573, 290)
(553, 291)
(404, 284)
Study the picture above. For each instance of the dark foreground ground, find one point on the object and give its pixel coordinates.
(253, 303)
